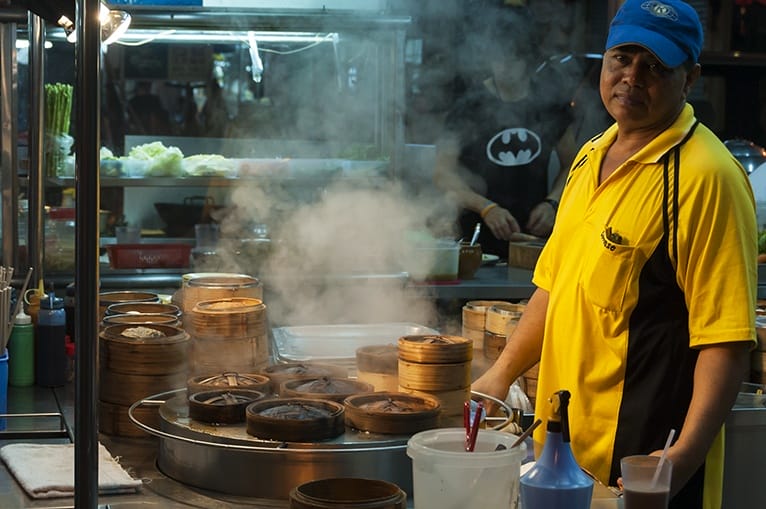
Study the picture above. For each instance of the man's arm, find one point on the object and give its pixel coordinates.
(719, 372)
(521, 352)
(450, 178)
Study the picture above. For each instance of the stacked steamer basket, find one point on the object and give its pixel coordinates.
(141, 313)
(281, 373)
(474, 320)
(228, 335)
(440, 367)
(501, 320)
(378, 365)
(136, 361)
(106, 299)
(219, 286)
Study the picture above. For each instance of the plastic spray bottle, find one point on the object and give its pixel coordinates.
(556, 481)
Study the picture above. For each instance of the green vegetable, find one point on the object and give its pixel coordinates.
(161, 161)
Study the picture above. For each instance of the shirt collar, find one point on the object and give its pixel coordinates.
(667, 139)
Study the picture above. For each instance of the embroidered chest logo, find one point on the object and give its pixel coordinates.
(611, 239)
(660, 10)
(514, 147)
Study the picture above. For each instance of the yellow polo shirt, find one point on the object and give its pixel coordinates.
(656, 261)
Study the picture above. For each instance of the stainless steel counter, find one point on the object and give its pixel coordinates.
(497, 282)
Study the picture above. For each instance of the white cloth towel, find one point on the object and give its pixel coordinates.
(47, 470)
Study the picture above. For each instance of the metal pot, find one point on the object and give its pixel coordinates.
(750, 155)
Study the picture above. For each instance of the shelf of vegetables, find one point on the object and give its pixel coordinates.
(154, 164)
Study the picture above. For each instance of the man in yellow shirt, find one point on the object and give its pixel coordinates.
(645, 298)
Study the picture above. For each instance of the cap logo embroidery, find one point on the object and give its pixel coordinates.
(660, 10)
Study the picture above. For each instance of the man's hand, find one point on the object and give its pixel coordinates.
(501, 223)
(541, 220)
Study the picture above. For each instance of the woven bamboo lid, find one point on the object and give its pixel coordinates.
(392, 412)
(434, 349)
(295, 419)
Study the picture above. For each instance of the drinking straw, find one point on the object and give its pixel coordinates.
(526, 433)
(475, 427)
(467, 422)
(662, 458)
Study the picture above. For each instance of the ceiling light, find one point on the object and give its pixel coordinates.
(113, 25)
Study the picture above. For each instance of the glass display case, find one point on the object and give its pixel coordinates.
(235, 117)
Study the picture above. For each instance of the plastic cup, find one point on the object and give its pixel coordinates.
(446, 476)
(639, 490)
(128, 234)
(206, 234)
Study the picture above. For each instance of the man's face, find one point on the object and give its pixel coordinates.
(641, 93)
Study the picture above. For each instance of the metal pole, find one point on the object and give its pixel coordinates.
(35, 190)
(87, 144)
(8, 140)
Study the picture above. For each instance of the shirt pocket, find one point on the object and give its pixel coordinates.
(608, 278)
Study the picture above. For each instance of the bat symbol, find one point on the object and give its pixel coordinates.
(514, 147)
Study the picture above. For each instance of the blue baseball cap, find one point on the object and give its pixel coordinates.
(670, 29)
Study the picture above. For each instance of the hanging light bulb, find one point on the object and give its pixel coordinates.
(113, 25)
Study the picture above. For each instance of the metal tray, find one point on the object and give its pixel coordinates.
(337, 344)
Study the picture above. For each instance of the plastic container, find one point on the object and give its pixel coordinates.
(21, 365)
(50, 357)
(445, 475)
(148, 256)
(434, 261)
(3, 387)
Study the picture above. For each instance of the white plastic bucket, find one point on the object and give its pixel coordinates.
(445, 476)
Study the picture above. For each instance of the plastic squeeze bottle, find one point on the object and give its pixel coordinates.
(50, 357)
(556, 481)
(21, 345)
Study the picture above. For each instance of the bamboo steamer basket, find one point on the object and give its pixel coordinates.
(126, 388)
(295, 419)
(227, 318)
(228, 380)
(451, 403)
(434, 377)
(114, 420)
(392, 412)
(222, 406)
(163, 355)
(494, 344)
(434, 349)
(151, 308)
(475, 311)
(347, 492)
(106, 299)
(501, 318)
(248, 354)
(328, 388)
(280, 373)
(475, 335)
(228, 335)
(229, 286)
(141, 318)
(378, 365)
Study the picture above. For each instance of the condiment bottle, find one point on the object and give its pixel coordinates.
(556, 481)
(33, 298)
(21, 362)
(50, 358)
